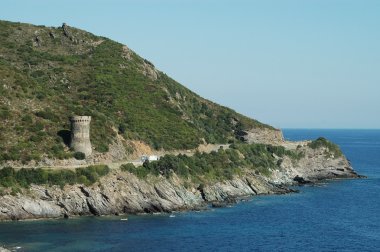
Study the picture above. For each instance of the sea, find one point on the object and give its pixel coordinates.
(342, 215)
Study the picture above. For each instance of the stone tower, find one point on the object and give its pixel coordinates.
(80, 134)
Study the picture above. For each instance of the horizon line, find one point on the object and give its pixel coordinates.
(306, 128)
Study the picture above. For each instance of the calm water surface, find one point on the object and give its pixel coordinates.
(336, 216)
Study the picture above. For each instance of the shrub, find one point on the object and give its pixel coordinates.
(27, 119)
(83, 180)
(102, 147)
(5, 113)
(79, 155)
(47, 114)
(24, 177)
(15, 190)
(140, 172)
(127, 167)
(122, 128)
(38, 126)
(323, 142)
(40, 96)
(217, 165)
(102, 170)
(92, 173)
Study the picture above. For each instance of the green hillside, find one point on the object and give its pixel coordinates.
(49, 74)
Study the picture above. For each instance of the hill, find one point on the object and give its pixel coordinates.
(51, 73)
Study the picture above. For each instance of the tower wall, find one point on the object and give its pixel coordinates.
(80, 134)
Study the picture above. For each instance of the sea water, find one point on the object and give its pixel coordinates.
(335, 216)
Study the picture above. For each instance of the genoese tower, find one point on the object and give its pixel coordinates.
(80, 134)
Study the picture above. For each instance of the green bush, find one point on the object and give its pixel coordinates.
(141, 171)
(323, 142)
(47, 114)
(217, 165)
(79, 155)
(10, 177)
(38, 126)
(5, 113)
(122, 128)
(92, 173)
(27, 119)
(102, 147)
(129, 167)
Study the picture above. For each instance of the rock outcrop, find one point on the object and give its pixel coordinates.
(4, 249)
(316, 165)
(262, 135)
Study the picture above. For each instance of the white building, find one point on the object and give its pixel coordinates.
(149, 158)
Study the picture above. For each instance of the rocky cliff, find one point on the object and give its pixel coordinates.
(123, 193)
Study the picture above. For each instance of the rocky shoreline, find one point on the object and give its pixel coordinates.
(123, 193)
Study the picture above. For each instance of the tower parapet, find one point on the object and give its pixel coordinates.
(80, 134)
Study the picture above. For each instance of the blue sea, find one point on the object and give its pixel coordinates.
(340, 215)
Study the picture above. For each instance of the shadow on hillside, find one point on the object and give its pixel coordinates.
(65, 135)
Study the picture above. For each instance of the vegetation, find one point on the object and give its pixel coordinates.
(217, 165)
(79, 155)
(44, 81)
(12, 178)
(323, 142)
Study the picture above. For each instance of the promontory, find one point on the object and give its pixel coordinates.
(88, 127)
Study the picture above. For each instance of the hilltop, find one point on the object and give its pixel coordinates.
(51, 73)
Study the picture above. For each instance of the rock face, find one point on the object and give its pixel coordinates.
(4, 250)
(117, 193)
(122, 192)
(65, 30)
(262, 135)
(316, 165)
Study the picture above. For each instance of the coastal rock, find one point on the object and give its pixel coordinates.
(259, 185)
(4, 250)
(40, 208)
(25, 207)
(315, 165)
(225, 190)
(301, 180)
(123, 192)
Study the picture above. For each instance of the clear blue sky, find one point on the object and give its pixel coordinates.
(289, 63)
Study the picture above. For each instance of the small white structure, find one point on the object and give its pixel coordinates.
(153, 158)
(149, 158)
